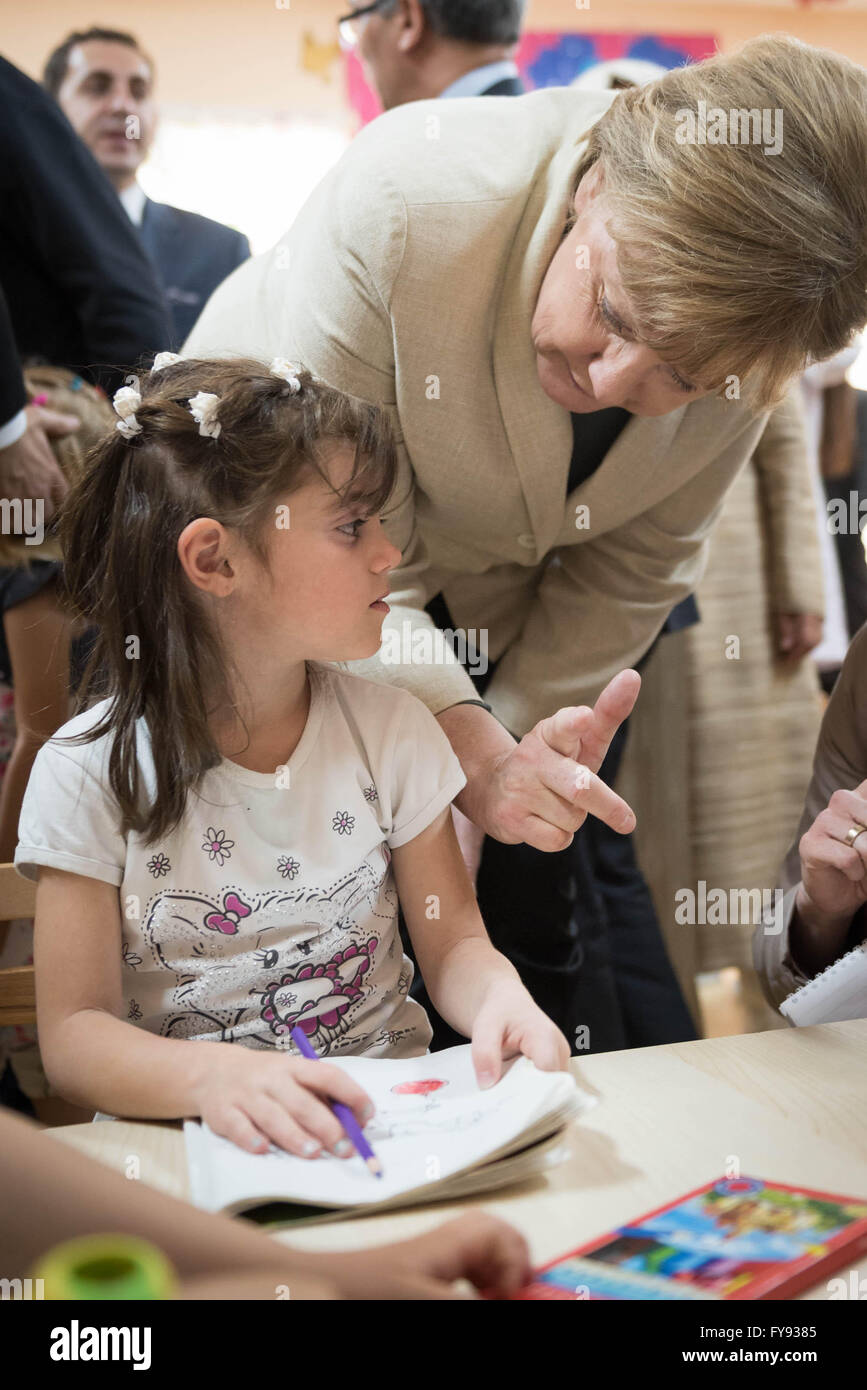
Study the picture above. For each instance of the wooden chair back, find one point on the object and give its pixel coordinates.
(17, 982)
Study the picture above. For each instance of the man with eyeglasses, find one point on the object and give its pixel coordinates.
(417, 49)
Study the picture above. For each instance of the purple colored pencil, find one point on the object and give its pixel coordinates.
(343, 1112)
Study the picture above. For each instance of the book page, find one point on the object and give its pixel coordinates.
(431, 1121)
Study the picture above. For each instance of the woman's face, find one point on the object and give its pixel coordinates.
(586, 356)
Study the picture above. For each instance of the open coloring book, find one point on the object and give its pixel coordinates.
(435, 1133)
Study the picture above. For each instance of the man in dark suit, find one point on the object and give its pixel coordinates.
(417, 49)
(104, 84)
(76, 290)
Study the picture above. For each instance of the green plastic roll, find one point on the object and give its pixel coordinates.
(106, 1267)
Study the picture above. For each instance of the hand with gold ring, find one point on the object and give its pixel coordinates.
(834, 866)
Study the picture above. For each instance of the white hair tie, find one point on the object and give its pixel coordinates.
(165, 359)
(287, 371)
(203, 408)
(126, 402)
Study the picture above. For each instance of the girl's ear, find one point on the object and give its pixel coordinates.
(202, 547)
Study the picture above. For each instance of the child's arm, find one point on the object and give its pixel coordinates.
(95, 1058)
(38, 1173)
(91, 1056)
(475, 988)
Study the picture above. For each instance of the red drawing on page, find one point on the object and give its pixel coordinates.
(418, 1088)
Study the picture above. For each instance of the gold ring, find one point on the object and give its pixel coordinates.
(853, 832)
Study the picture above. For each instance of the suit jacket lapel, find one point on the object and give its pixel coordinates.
(158, 231)
(506, 87)
(639, 452)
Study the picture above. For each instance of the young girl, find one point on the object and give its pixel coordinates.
(218, 840)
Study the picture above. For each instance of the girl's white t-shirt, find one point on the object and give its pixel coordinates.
(272, 904)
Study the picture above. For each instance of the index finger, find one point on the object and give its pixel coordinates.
(331, 1083)
(56, 423)
(587, 794)
(546, 1047)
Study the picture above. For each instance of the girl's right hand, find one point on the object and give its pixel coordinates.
(256, 1098)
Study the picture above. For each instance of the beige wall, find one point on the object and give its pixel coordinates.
(247, 53)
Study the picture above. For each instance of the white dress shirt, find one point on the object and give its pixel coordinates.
(472, 84)
(134, 199)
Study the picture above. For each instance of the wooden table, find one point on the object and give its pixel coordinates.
(789, 1105)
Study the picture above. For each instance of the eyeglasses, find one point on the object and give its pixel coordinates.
(348, 28)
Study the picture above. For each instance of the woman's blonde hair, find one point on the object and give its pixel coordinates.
(739, 262)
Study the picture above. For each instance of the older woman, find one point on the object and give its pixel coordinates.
(579, 308)
(824, 880)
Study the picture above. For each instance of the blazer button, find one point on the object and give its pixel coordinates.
(527, 540)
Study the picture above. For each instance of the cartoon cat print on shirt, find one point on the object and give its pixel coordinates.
(317, 998)
(227, 975)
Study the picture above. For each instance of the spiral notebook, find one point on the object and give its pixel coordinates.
(835, 995)
(437, 1135)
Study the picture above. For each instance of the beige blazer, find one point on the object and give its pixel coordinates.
(410, 278)
(840, 762)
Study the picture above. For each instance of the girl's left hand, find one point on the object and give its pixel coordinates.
(509, 1024)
